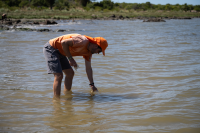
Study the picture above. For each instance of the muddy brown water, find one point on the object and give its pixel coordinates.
(149, 80)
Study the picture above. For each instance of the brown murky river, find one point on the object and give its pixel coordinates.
(149, 80)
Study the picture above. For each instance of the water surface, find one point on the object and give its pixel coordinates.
(149, 80)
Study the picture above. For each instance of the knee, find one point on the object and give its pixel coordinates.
(58, 76)
(70, 74)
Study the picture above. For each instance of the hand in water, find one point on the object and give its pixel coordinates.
(93, 91)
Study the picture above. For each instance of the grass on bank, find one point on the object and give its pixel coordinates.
(80, 13)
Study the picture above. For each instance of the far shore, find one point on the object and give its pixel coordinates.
(30, 14)
(21, 17)
(112, 17)
(17, 24)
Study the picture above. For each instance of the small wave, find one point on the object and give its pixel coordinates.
(183, 43)
(122, 71)
(172, 77)
(27, 26)
(21, 41)
(72, 23)
(10, 30)
(12, 89)
(3, 37)
(194, 34)
(75, 30)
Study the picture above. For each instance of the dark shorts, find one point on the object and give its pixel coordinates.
(56, 62)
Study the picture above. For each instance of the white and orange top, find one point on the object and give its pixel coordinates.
(79, 47)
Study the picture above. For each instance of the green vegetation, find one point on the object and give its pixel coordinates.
(67, 9)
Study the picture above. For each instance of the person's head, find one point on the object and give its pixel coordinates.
(94, 48)
(99, 41)
(102, 43)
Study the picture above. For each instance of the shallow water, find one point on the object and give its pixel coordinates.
(149, 80)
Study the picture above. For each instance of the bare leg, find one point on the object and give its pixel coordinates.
(57, 83)
(69, 74)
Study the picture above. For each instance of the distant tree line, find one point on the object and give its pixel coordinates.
(92, 4)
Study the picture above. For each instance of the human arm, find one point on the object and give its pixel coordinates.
(89, 72)
(65, 45)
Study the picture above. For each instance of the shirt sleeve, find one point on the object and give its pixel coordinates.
(88, 58)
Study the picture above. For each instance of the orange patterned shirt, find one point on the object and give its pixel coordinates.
(79, 47)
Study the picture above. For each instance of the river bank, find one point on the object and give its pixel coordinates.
(20, 24)
(80, 13)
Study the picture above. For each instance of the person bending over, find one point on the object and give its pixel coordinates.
(59, 54)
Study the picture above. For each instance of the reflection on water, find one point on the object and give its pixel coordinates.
(98, 97)
(148, 81)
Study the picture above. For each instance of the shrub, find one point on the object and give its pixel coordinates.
(29, 8)
(90, 5)
(3, 5)
(13, 8)
(97, 8)
(24, 3)
(106, 10)
(117, 9)
(129, 7)
(62, 4)
(107, 4)
(185, 7)
(86, 8)
(197, 8)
